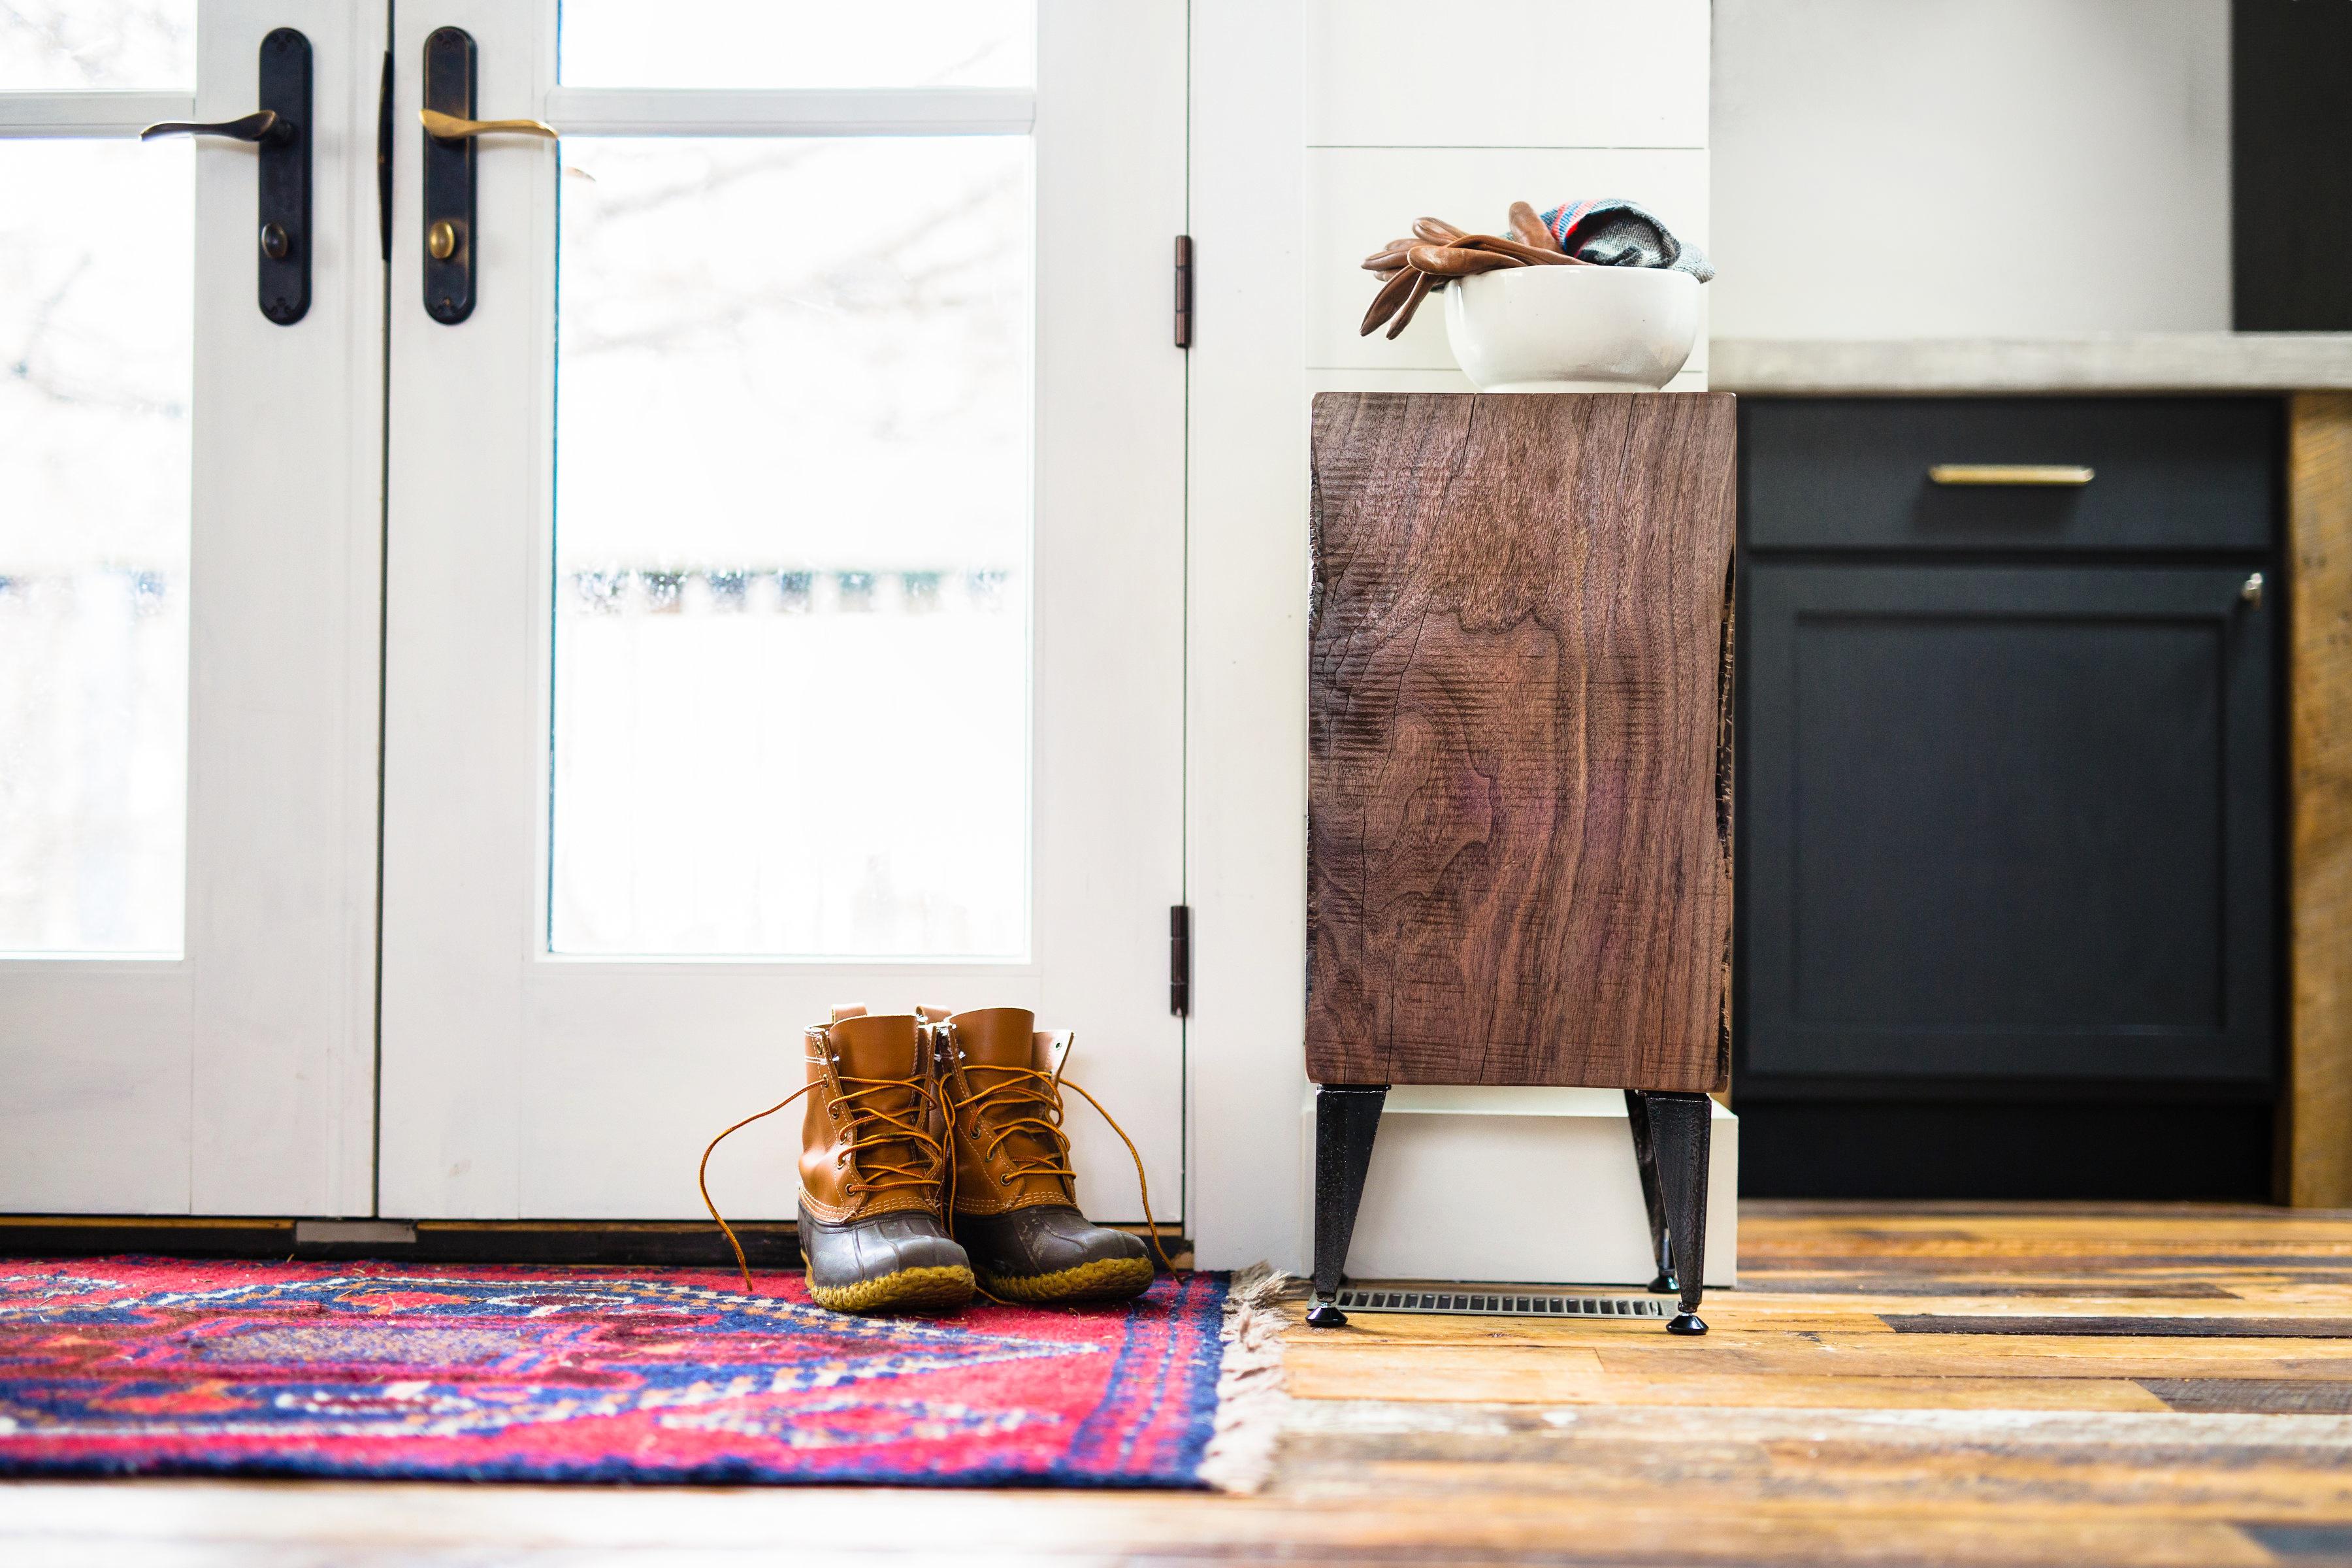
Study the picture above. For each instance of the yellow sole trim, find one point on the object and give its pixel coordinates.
(1105, 1279)
(937, 1288)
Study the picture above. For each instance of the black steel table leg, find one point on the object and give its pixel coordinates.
(1347, 1118)
(1645, 1159)
(1681, 1128)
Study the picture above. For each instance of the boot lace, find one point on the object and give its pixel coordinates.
(1033, 1097)
(874, 1124)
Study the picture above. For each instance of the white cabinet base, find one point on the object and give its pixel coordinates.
(1519, 1186)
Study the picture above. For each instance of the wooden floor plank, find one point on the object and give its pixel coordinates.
(2120, 1325)
(1551, 1351)
(362, 1527)
(1316, 1376)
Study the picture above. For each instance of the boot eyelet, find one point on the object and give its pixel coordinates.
(1003, 1181)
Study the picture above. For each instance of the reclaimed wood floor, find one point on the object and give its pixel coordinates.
(2018, 1385)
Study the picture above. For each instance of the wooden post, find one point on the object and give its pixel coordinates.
(2319, 674)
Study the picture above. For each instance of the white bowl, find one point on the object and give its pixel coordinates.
(1572, 329)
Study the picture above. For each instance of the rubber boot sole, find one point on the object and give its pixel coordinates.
(1104, 1279)
(942, 1287)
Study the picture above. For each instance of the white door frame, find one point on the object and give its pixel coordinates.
(1246, 733)
(518, 1084)
(238, 1079)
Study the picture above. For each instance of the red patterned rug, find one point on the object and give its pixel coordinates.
(152, 1366)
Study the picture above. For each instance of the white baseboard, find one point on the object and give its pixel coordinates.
(1519, 1186)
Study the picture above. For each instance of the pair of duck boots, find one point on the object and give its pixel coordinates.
(934, 1160)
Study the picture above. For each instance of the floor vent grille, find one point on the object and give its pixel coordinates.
(1494, 1304)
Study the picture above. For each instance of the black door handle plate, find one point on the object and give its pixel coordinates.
(280, 131)
(448, 179)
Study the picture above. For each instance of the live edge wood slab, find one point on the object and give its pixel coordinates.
(1519, 836)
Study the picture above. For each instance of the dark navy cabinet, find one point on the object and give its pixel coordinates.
(2009, 778)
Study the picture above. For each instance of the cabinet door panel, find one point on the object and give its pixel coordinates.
(2010, 822)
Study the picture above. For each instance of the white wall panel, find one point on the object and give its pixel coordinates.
(1960, 168)
(1507, 73)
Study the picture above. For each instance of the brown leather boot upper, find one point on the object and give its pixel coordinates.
(870, 1137)
(996, 1069)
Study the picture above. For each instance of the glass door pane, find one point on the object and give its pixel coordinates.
(97, 46)
(791, 547)
(97, 329)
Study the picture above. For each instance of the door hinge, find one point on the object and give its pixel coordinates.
(1180, 960)
(1183, 291)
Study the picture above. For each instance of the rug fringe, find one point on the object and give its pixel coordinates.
(1252, 1403)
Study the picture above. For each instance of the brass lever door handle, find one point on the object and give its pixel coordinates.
(261, 125)
(280, 132)
(445, 171)
(2009, 474)
(451, 128)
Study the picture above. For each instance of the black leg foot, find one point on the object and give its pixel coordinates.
(1346, 1116)
(1681, 1128)
(1645, 1161)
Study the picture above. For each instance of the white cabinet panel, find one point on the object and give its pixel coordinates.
(1573, 1214)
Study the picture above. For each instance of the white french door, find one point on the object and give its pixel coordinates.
(784, 574)
(189, 579)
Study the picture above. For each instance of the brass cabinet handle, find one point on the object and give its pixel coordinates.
(451, 128)
(2009, 474)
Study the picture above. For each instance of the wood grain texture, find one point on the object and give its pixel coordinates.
(1519, 838)
(2319, 762)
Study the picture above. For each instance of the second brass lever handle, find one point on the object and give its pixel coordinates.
(261, 125)
(451, 128)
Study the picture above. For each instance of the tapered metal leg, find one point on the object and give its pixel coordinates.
(1681, 1127)
(1645, 1159)
(1347, 1118)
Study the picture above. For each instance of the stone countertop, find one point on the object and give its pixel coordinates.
(2121, 361)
